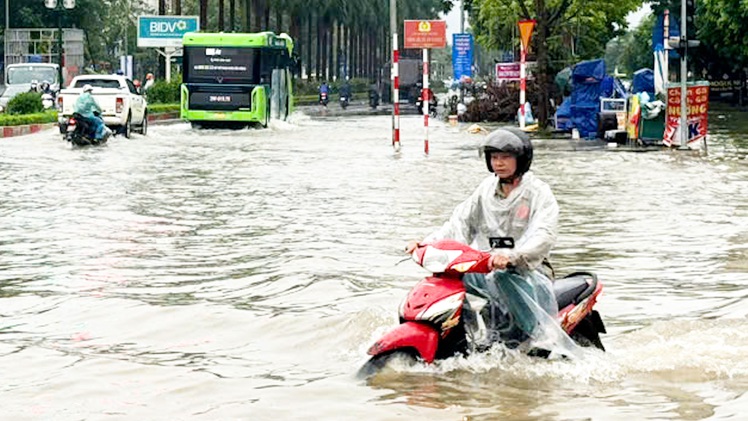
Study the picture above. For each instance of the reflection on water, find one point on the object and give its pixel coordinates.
(217, 274)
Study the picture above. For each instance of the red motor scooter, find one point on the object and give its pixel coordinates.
(433, 315)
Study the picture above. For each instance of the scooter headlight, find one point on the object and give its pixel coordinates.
(437, 261)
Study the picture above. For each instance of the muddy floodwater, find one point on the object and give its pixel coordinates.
(226, 275)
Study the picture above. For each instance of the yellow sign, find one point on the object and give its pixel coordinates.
(424, 26)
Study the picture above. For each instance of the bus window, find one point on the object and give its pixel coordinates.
(220, 65)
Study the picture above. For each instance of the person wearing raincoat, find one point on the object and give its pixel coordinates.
(90, 110)
(510, 203)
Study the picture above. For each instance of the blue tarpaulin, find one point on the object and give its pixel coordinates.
(587, 78)
(563, 115)
(581, 109)
(643, 81)
(590, 71)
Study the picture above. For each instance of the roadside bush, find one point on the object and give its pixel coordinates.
(26, 103)
(162, 108)
(49, 116)
(163, 92)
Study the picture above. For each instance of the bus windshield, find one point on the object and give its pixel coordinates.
(235, 65)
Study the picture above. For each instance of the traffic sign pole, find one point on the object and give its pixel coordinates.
(425, 100)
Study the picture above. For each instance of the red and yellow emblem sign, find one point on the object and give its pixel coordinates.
(425, 34)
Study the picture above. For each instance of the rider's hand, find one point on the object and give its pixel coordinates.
(411, 246)
(498, 261)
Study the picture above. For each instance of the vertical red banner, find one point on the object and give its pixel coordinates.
(697, 102)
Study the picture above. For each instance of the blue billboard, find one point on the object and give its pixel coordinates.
(462, 55)
(165, 31)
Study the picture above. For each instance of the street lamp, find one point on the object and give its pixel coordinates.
(59, 6)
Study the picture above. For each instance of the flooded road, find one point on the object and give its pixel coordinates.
(215, 275)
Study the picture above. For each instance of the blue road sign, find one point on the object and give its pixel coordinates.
(165, 31)
(462, 55)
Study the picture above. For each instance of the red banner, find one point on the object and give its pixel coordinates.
(425, 34)
(697, 101)
(507, 71)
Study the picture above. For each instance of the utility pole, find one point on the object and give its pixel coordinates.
(683, 78)
(58, 6)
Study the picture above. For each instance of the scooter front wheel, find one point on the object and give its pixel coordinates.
(377, 363)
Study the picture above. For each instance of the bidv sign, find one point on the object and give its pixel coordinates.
(165, 31)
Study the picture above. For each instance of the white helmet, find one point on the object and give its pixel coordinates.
(87, 88)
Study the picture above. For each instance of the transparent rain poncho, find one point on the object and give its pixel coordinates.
(521, 312)
(521, 304)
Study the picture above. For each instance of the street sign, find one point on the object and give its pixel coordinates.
(425, 34)
(462, 55)
(165, 31)
(507, 72)
(525, 31)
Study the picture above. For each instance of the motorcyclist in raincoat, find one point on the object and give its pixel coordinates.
(345, 89)
(510, 203)
(90, 110)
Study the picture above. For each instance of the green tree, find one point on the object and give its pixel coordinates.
(564, 27)
(722, 28)
(633, 50)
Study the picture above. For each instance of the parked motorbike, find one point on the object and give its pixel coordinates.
(79, 132)
(437, 322)
(323, 98)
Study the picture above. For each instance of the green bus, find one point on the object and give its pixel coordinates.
(235, 79)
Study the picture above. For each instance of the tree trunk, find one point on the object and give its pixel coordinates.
(232, 15)
(361, 59)
(258, 10)
(325, 51)
(220, 15)
(318, 66)
(247, 18)
(352, 52)
(330, 57)
(203, 14)
(295, 30)
(177, 7)
(278, 20)
(309, 46)
(266, 26)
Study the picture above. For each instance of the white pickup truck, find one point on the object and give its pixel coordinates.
(123, 107)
